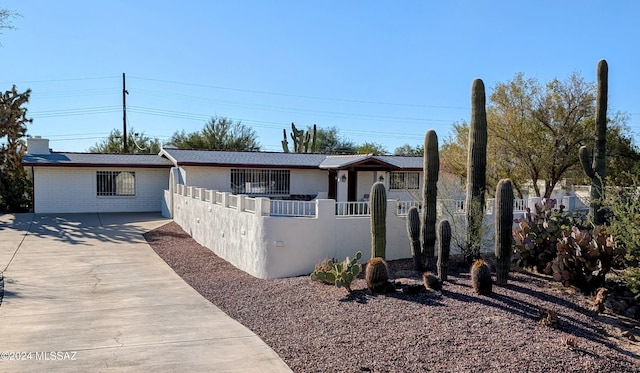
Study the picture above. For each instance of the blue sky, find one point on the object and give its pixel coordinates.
(379, 71)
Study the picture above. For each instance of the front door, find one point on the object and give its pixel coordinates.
(333, 187)
(352, 187)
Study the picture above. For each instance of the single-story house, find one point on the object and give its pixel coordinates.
(89, 182)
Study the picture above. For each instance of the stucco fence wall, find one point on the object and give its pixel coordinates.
(240, 230)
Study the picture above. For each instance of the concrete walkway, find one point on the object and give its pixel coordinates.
(85, 293)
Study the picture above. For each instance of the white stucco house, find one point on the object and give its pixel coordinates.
(88, 182)
(270, 214)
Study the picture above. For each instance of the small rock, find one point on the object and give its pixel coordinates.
(627, 334)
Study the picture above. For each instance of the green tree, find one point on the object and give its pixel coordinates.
(408, 150)
(371, 148)
(218, 134)
(15, 186)
(329, 142)
(535, 132)
(138, 143)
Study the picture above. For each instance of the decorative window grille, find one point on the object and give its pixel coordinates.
(116, 183)
(260, 182)
(404, 180)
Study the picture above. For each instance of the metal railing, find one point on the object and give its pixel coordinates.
(360, 208)
(293, 208)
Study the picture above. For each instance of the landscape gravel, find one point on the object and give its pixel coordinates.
(315, 327)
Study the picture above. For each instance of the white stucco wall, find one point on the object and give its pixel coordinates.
(276, 247)
(73, 190)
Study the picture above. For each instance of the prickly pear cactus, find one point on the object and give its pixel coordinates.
(431, 169)
(597, 171)
(378, 202)
(476, 168)
(504, 223)
(413, 230)
(341, 274)
(444, 244)
(376, 275)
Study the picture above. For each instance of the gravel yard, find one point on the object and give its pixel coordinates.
(320, 328)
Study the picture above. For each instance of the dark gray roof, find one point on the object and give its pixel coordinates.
(95, 159)
(415, 162)
(292, 160)
(255, 159)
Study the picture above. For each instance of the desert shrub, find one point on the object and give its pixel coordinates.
(623, 204)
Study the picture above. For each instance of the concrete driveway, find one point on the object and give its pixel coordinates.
(84, 292)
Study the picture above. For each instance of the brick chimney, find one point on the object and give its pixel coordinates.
(37, 145)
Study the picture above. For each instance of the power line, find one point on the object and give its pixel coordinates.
(300, 96)
(60, 80)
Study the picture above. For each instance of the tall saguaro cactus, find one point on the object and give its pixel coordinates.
(504, 222)
(476, 168)
(597, 170)
(444, 245)
(378, 202)
(431, 169)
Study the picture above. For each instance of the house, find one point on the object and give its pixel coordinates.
(294, 175)
(270, 214)
(89, 182)
(86, 182)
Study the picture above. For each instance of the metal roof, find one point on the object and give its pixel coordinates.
(182, 157)
(253, 159)
(291, 160)
(95, 160)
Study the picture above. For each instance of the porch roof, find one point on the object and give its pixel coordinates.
(95, 160)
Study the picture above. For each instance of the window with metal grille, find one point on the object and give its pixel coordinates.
(116, 183)
(404, 180)
(258, 181)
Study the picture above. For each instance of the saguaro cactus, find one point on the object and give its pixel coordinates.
(413, 230)
(378, 202)
(597, 170)
(504, 222)
(431, 169)
(444, 244)
(476, 168)
(303, 141)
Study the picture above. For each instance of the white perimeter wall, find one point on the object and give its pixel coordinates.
(276, 247)
(73, 189)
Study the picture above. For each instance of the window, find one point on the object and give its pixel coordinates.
(404, 180)
(267, 182)
(116, 183)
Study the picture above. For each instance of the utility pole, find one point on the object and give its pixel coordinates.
(125, 148)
